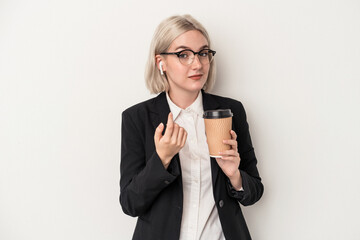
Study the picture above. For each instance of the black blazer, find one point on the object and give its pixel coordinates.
(155, 195)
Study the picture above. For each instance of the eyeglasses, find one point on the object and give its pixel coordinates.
(187, 56)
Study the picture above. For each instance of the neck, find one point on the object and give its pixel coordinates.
(183, 99)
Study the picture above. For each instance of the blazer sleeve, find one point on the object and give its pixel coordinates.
(251, 181)
(142, 178)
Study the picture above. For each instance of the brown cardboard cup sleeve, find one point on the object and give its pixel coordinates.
(218, 124)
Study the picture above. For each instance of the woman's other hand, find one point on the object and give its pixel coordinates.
(171, 142)
(230, 161)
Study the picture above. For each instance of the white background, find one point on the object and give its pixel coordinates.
(69, 68)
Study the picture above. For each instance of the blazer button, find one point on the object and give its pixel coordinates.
(221, 203)
(166, 182)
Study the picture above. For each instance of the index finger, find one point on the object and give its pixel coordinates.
(169, 126)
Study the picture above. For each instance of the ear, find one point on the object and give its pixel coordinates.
(159, 59)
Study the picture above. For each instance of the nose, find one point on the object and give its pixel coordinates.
(196, 62)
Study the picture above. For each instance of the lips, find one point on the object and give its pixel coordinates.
(196, 77)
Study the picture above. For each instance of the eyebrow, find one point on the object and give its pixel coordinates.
(185, 47)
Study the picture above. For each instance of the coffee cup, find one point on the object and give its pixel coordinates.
(218, 124)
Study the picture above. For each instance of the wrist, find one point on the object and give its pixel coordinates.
(165, 160)
(235, 176)
(236, 180)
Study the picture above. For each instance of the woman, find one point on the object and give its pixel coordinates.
(168, 178)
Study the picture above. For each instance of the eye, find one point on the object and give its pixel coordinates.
(204, 53)
(184, 54)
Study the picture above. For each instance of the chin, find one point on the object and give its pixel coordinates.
(195, 89)
(198, 86)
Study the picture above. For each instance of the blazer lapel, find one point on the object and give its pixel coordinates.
(161, 110)
(209, 102)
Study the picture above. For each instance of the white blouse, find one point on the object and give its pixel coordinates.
(200, 218)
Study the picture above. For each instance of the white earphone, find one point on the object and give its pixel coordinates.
(160, 66)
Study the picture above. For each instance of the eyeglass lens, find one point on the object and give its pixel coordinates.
(187, 57)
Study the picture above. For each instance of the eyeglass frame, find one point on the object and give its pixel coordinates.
(178, 54)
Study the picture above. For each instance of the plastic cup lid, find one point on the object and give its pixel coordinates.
(218, 113)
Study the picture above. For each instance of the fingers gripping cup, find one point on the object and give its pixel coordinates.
(218, 124)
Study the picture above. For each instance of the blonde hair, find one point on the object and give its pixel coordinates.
(164, 35)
